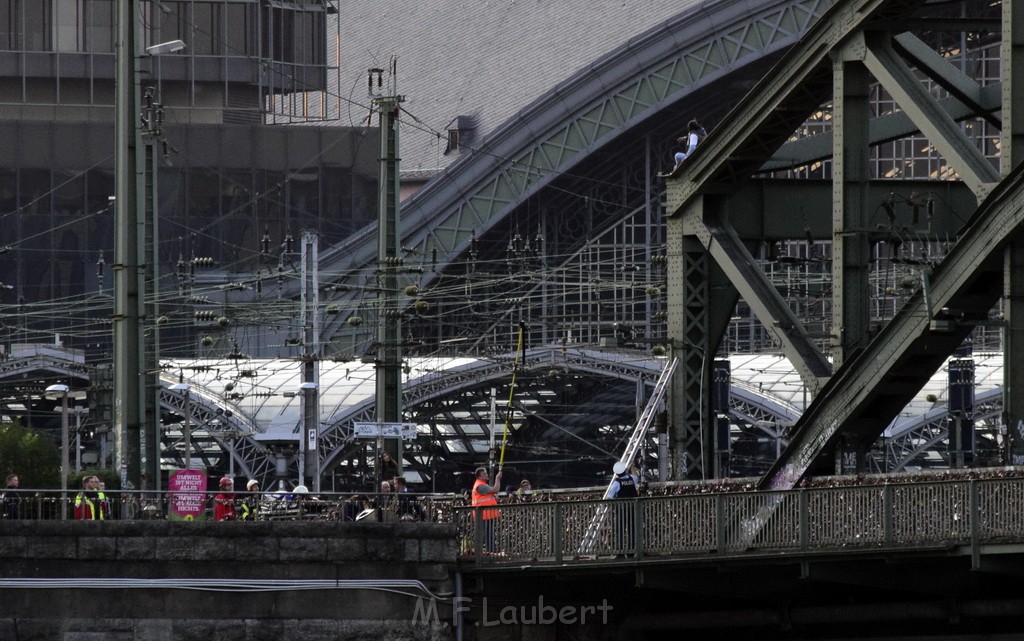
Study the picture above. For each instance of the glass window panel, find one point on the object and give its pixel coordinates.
(37, 25)
(66, 25)
(69, 193)
(205, 32)
(174, 22)
(241, 233)
(8, 25)
(238, 28)
(99, 26)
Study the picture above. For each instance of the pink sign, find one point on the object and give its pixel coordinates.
(187, 495)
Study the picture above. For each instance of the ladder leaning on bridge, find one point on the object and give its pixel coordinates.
(632, 447)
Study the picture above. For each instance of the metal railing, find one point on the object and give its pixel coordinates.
(899, 515)
(269, 506)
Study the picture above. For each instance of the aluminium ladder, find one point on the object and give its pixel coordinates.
(632, 447)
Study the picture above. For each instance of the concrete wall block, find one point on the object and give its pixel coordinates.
(303, 549)
(258, 548)
(412, 550)
(432, 572)
(208, 548)
(194, 630)
(408, 631)
(170, 548)
(208, 630)
(51, 547)
(438, 550)
(37, 630)
(264, 629)
(380, 550)
(346, 549)
(12, 546)
(101, 626)
(319, 630)
(135, 548)
(153, 630)
(91, 547)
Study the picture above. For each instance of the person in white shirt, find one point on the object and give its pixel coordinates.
(694, 134)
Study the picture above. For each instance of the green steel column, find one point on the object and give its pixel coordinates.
(689, 402)
(1012, 151)
(1013, 349)
(850, 248)
(129, 386)
(1011, 69)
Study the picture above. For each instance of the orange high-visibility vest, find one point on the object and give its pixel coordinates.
(480, 500)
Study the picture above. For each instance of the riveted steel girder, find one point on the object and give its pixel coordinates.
(851, 113)
(1012, 71)
(1012, 154)
(862, 397)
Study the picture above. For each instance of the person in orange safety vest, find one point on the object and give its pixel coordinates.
(483, 496)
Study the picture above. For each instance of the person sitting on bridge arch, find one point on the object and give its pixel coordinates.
(694, 134)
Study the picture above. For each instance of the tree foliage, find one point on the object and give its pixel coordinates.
(30, 455)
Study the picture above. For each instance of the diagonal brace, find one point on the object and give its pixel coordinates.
(961, 86)
(771, 309)
(934, 122)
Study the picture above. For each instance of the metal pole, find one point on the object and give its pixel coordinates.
(129, 228)
(64, 464)
(389, 350)
(78, 438)
(309, 319)
(188, 430)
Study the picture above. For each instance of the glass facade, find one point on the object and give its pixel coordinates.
(240, 55)
(229, 187)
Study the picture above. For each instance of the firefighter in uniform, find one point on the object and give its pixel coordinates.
(250, 505)
(90, 504)
(624, 486)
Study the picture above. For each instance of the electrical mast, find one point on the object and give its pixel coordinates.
(386, 101)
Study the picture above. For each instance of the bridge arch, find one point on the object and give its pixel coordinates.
(647, 88)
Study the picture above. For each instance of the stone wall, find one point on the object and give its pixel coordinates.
(164, 581)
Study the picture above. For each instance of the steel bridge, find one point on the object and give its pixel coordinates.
(865, 559)
(599, 255)
(556, 223)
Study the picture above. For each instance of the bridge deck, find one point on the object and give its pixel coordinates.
(961, 516)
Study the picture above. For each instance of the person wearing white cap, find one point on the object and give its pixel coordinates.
(624, 486)
(251, 503)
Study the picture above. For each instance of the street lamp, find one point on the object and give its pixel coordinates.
(165, 47)
(187, 427)
(308, 447)
(52, 391)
